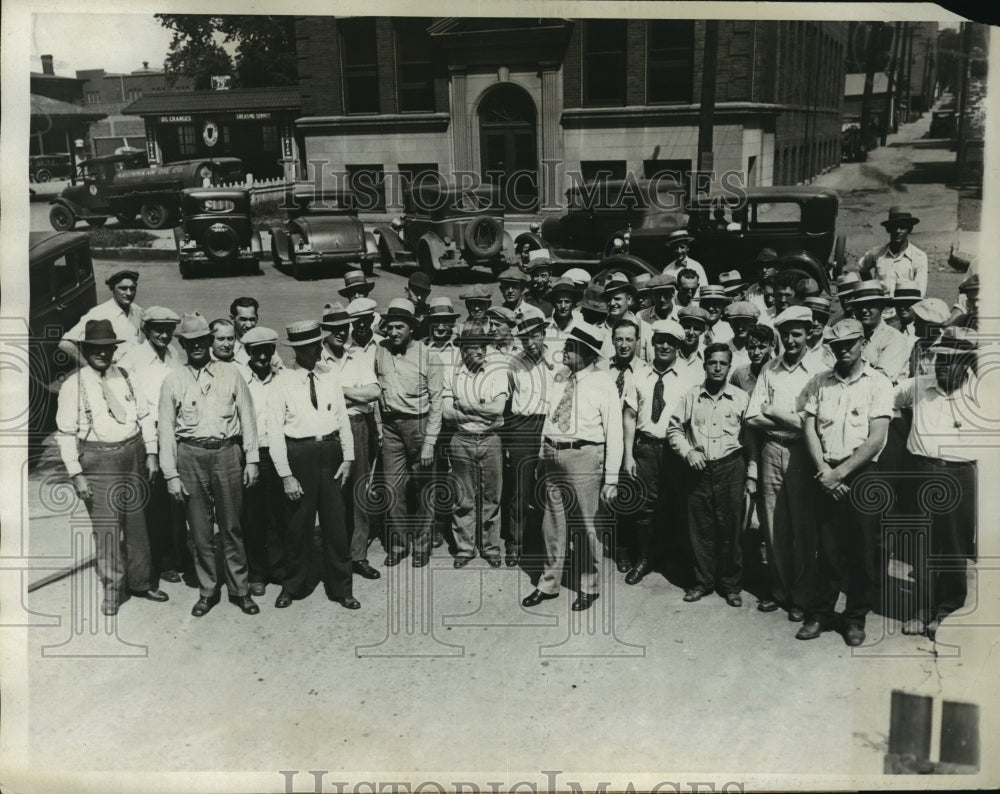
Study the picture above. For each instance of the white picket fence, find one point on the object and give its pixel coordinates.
(261, 189)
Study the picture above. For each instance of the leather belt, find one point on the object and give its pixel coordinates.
(948, 464)
(107, 446)
(313, 439)
(785, 442)
(575, 444)
(395, 415)
(212, 443)
(736, 453)
(648, 439)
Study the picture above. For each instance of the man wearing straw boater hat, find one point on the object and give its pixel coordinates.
(678, 244)
(906, 296)
(208, 452)
(899, 259)
(312, 447)
(355, 372)
(411, 405)
(357, 285)
(886, 347)
(107, 441)
(582, 453)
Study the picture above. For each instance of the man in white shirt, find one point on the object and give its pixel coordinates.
(121, 310)
(103, 431)
(899, 259)
(223, 340)
(678, 245)
(312, 447)
(581, 451)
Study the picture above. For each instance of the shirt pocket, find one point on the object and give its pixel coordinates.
(190, 411)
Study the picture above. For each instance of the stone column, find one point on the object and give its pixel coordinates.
(551, 134)
(461, 125)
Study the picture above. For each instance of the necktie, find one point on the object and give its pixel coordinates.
(658, 402)
(114, 404)
(312, 390)
(620, 381)
(564, 412)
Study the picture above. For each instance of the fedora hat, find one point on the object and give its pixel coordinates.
(593, 300)
(441, 308)
(870, 291)
(907, 292)
(586, 334)
(899, 217)
(334, 315)
(401, 309)
(767, 255)
(618, 282)
(354, 280)
(955, 340)
(193, 326)
(99, 332)
(846, 284)
(532, 324)
(304, 332)
(419, 280)
(971, 284)
(732, 281)
(561, 285)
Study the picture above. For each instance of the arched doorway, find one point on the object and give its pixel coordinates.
(508, 146)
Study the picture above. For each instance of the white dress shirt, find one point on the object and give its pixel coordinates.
(127, 327)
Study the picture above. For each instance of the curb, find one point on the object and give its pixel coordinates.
(149, 254)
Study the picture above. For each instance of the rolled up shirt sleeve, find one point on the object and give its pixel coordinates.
(165, 428)
(614, 446)
(677, 436)
(248, 418)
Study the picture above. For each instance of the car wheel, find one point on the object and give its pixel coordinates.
(43, 176)
(484, 237)
(839, 252)
(155, 215)
(368, 268)
(385, 255)
(96, 223)
(185, 271)
(62, 218)
(275, 256)
(298, 273)
(220, 242)
(125, 218)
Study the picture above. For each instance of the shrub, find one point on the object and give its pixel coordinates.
(266, 214)
(121, 238)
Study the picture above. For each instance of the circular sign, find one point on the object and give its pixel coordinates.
(93, 190)
(210, 133)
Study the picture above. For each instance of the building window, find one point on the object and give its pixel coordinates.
(360, 62)
(604, 169)
(414, 65)
(93, 97)
(186, 140)
(670, 61)
(134, 94)
(367, 182)
(269, 138)
(429, 172)
(604, 47)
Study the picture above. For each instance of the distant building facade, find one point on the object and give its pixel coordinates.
(59, 119)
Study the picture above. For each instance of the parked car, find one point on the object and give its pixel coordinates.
(798, 223)
(852, 145)
(122, 186)
(46, 167)
(944, 124)
(606, 217)
(62, 290)
(216, 232)
(444, 228)
(322, 233)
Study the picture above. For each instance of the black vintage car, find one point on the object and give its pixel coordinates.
(46, 167)
(323, 233)
(444, 228)
(216, 233)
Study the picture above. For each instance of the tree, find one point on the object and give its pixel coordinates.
(264, 49)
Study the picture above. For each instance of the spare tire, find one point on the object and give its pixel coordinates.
(484, 237)
(220, 242)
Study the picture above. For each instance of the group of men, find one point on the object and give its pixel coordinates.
(658, 414)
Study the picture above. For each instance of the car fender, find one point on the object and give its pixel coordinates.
(431, 247)
(280, 242)
(630, 264)
(255, 243)
(178, 236)
(371, 246)
(388, 237)
(533, 240)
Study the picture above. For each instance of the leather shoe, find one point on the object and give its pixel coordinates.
(914, 626)
(767, 605)
(854, 635)
(283, 601)
(637, 574)
(734, 599)
(364, 569)
(258, 589)
(493, 560)
(419, 561)
(348, 602)
(810, 630)
(203, 606)
(584, 601)
(438, 541)
(393, 558)
(151, 595)
(170, 576)
(461, 562)
(694, 594)
(796, 615)
(622, 564)
(512, 560)
(536, 597)
(109, 608)
(246, 604)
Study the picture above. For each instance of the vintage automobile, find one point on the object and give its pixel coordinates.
(216, 232)
(444, 228)
(121, 186)
(944, 124)
(798, 223)
(322, 232)
(609, 216)
(852, 145)
(46, 167)
(62, 290)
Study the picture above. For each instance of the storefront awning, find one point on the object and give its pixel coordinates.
(233, 100)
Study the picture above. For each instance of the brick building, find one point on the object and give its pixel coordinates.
(399, 95)
(58, 118)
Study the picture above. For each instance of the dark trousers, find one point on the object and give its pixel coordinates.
(847, 557)
(168, 534)
(715, 519)
(402, 440)
(660, 475)
(445, 487)
(214, 480)
(117, 516)
(313, 464)
(263, 524)
(359, 519)
(522, 440)
(940, 579)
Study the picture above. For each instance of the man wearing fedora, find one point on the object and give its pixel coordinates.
(475, 401)
(263, 504)
(907, 294)
(734, 285)
(740, 316)
(513, 282)
(899, 259)
(968, 292)
(713, 299)
(785, 475)
(886, 347)
(147, 366)
(581, 453)
(411, 405)
(208, 452)
(847, 411)
(942, 445)
(107, 441)
(121, 310)
(678, 244)
(312, 446)
(355, 372)
(930, 315)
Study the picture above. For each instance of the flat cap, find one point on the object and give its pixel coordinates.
(259, 335)
(743, 309)
(794, 314)
(692, 313)
(477, 292)
(668, 327)
(577, 275)
(931, 310)
(360, 307)
(502, 313)
(160, 314)
(118, 275)
(514, 274)
(663, 281)
(846, 330)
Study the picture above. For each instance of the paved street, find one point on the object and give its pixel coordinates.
(643, 681)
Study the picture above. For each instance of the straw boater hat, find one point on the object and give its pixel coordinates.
(304, 332)
(589, 335)
(712, 292)
(899, 217)
(441, 309)
(401, 309)
(335, 315)
(259, 335)
(906, 292)
(99, 332)
(160, 314)
(868, 292)
(193, 326)
(353, 280)
(679, 236)
(818, 304)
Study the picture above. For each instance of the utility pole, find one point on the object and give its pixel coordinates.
(963, 97)
(706, 124)
(909, 71)
(893, 70)
(874, 34)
